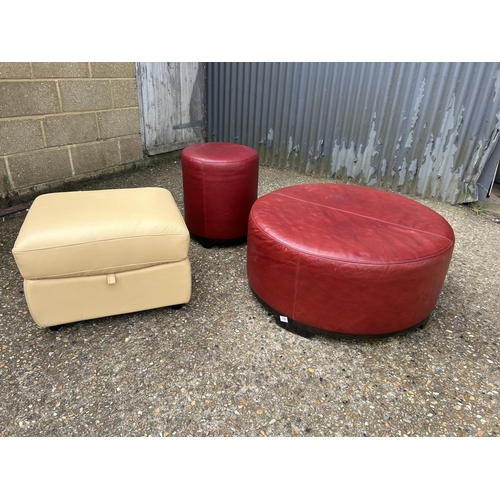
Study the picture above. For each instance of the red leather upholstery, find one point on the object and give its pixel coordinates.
(220, 182)
(347, 259)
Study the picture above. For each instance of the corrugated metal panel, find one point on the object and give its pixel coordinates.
(419, 128)
(171, 102)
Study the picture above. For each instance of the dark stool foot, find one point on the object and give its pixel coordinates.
(424, 323)
(54, 328)
(177, 306)
(211, 242)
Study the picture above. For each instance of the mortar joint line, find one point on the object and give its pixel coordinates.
(119, 150)
(97, 125)
(44, 137)
(71, 161)
(111, 94)
(59, 96)
(9, 173)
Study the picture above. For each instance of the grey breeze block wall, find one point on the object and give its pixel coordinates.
(61, 121)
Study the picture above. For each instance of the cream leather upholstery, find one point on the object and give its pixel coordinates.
(89, 254)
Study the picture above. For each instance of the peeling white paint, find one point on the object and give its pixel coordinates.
(447, 125)
(368, 153)
(416, 108)
(413, 169)
(342, 157)
(477, 155)
(383, 169)
(402, 173)
(290, 147)
(356, 162)
(308, 164)
(409, 141)
(372, 176)
(496, 77)
(439, 156)
(441, 177)
(319, 150)
(270, 135)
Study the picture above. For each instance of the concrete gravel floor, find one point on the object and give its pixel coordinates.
(220, 366)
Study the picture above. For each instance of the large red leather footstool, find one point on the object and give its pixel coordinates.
(347, 260)
(220, 182)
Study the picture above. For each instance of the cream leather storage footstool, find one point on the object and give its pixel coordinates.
(90, 254)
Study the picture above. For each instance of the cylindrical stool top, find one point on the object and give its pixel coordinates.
(220, 183)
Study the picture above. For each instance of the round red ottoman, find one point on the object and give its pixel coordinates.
(346, 260)
(220, 182)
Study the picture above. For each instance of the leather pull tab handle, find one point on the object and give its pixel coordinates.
(111, 279)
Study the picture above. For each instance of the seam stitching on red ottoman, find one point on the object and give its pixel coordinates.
(365, 216)
(300, 250)
(202, 161)
(296, 287)
(203, 188)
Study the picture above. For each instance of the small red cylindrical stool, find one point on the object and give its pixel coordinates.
(220, 183)
(344, 259)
